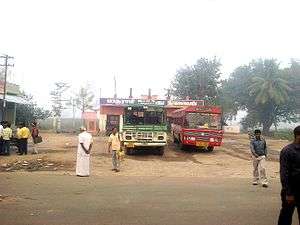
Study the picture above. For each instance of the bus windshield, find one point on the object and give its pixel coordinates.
(203, 120)
(144, 116)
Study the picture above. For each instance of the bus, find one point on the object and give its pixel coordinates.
(198, 126)
(144, 128)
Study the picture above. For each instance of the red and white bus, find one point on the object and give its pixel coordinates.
(198, 126)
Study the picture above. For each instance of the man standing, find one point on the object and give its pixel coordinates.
(83, 153)
(7, 135)
(290, 180)
(35, 135)
(258, 148)
(114, 144)
(23, 135)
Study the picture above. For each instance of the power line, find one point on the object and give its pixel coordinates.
(5, 65)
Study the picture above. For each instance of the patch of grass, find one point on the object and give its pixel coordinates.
(283, 135)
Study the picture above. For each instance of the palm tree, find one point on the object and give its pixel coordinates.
(269, 89)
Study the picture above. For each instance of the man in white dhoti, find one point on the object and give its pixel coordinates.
(83, 153)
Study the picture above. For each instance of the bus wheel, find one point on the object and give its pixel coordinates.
(210, 148)
(175, 140)
(160, 151)
(181, 146)
(129, 151)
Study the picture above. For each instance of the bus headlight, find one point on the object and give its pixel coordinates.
(211, 140)
(128, 137)
(191, 138)
(161, 138)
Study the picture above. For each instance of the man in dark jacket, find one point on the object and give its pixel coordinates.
(258, 147)
(290, 180)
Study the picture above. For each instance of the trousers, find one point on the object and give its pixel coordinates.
(287, 211)
(259, 169)
(115, 160)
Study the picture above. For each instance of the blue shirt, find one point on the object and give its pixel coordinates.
(258, 147)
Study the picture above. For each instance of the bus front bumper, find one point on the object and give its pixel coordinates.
(144, 144)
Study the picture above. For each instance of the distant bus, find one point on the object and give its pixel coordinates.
(198, 126)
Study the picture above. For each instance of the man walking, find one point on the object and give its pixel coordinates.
(7, 135)
(290, 180)
(114, 144)
(258, 148)
(83, 153)
(23, 135)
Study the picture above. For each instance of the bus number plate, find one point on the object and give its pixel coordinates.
(130, 145)
(202, 144)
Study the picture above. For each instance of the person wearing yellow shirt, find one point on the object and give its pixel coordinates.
(6, 135)
(23, 135)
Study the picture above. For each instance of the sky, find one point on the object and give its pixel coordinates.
(142, 43)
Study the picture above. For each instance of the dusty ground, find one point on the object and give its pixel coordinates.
(58, 153)
(181, 187)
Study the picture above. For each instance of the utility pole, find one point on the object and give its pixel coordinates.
(115, 87)
(5, 65)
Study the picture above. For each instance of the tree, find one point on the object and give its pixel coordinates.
(30, 112)
(84, 99)
(58, 104)
(264, 90)
(199, 81)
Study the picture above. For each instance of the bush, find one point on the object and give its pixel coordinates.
(283, 134)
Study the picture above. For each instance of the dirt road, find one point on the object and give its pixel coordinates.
(42, 199)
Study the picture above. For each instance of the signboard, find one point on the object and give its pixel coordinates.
(186, 103)
(126, 102)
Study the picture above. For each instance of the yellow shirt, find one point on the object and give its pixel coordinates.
(115, 142)
(7, 134)
(23, 133)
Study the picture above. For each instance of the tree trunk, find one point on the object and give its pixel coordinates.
(266, 127)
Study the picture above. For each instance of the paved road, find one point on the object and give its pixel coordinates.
(35, 198)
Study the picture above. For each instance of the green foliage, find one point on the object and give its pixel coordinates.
(30, 112)
(283, 135)
(199, 81)
(265, 91)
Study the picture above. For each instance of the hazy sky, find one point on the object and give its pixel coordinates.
(143, 43)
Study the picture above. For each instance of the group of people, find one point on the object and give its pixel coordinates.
(289, 173)
(20, 139)
(85, 144)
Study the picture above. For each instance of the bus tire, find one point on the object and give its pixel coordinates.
(181, 146)
(129, 151)
(161, 151)
(210, 148)
(175, 140)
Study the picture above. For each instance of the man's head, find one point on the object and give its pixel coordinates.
(115, 130)
(82, 129)
(297, 134)
(22, 124)
(8, 124)
(257, 133)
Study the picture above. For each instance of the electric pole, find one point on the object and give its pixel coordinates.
(5, 65)
(115, 87)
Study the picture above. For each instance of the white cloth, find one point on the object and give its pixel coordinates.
(83, 159)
